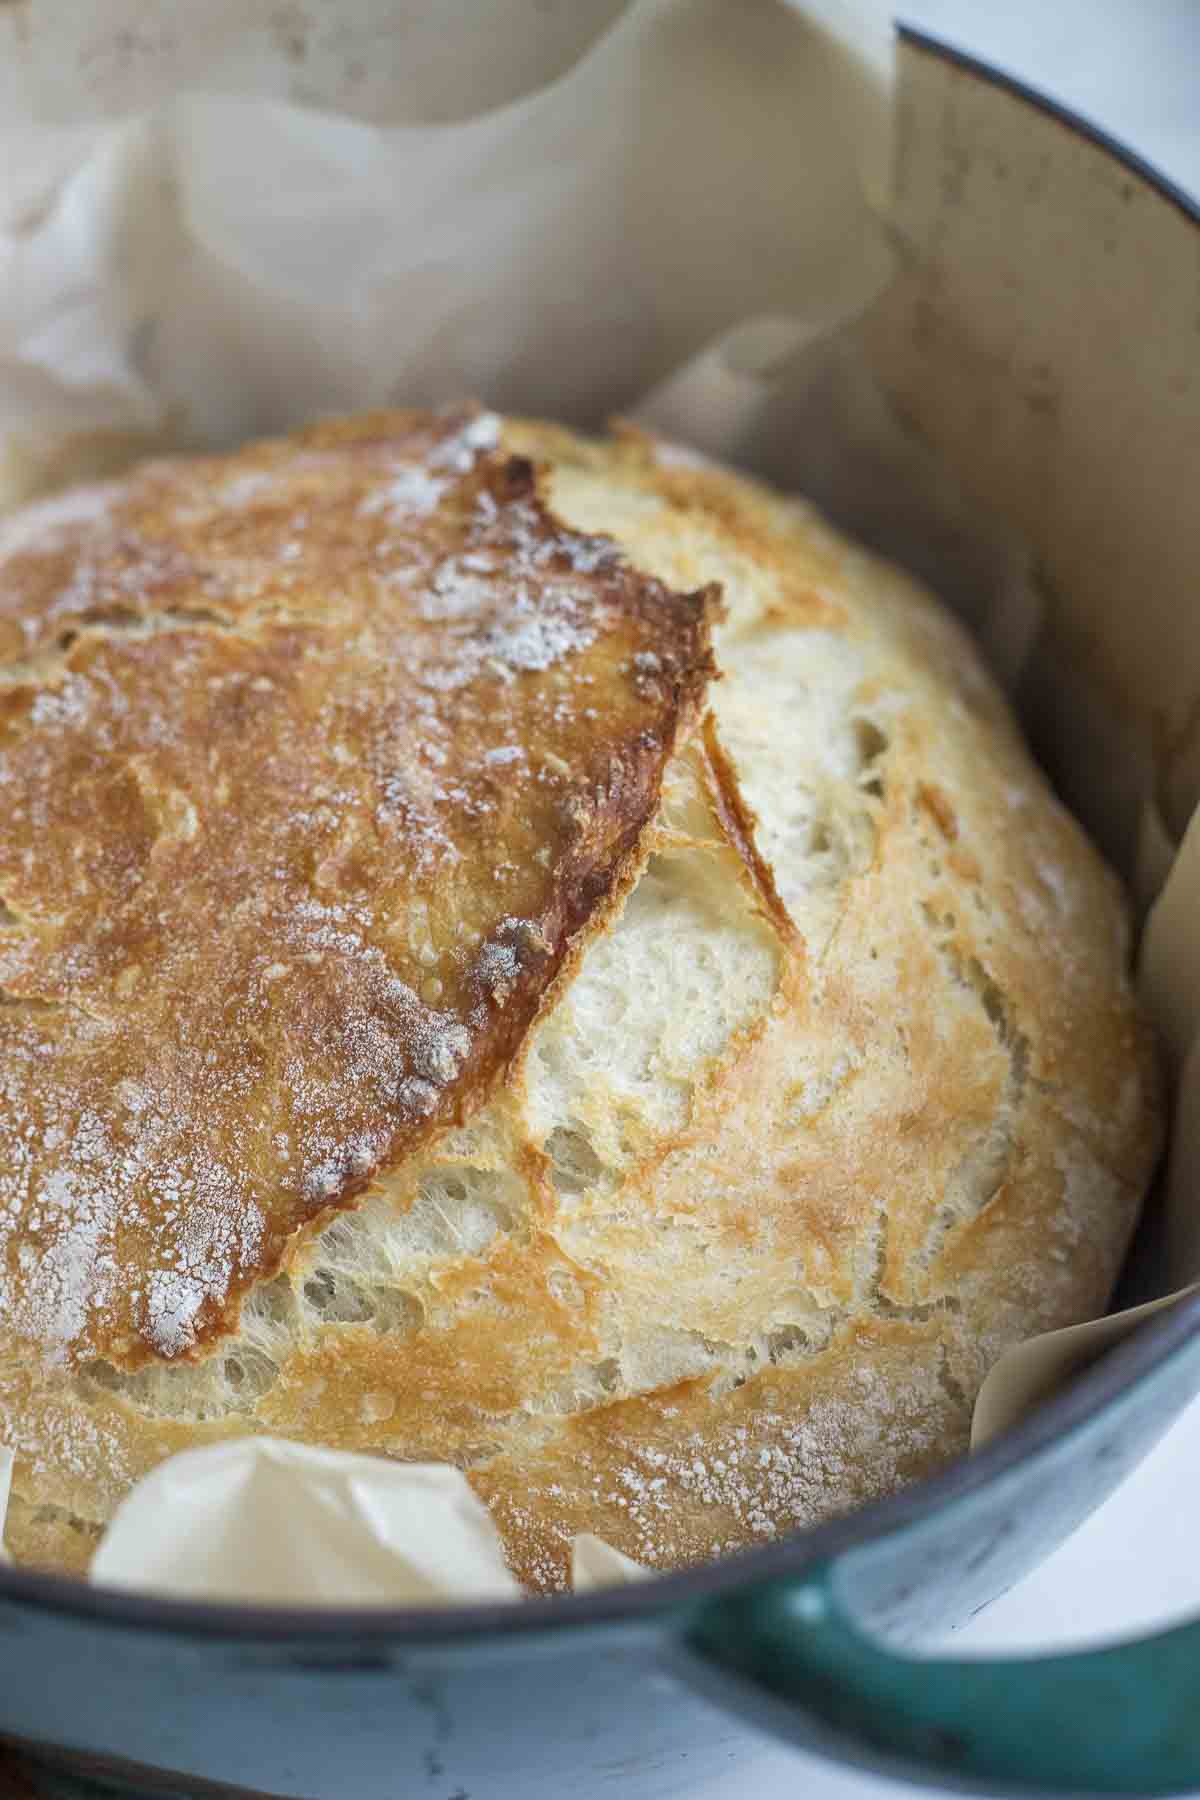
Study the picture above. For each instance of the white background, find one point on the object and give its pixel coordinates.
(1133, 68)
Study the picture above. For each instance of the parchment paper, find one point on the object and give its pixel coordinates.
(361, 1531)
(219, 220)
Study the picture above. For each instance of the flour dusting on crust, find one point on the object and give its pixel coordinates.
(271, 910)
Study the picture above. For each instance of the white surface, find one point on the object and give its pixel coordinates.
(1135, 1565)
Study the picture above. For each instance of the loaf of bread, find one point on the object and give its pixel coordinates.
(532, 954)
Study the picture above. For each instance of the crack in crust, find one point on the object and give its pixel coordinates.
(988, 1164)
(738, 824)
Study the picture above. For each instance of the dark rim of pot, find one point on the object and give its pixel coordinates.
(1114, 1375)
(1074, 122)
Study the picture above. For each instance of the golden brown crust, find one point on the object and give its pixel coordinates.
(687, 1472)
(839, 1088)
(352, 758)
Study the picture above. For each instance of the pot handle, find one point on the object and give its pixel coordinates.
(1124, 1719)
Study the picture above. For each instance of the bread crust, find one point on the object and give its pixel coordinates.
(346, 811)
(811, 1080)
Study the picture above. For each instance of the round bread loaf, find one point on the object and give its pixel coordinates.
(535, 954)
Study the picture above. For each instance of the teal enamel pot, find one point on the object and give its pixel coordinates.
(1041, 338)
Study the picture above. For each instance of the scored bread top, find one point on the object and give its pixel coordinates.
(811, 1080)
(316, 761)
